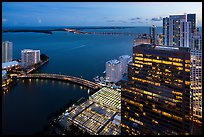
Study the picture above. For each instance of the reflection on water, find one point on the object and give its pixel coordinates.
(27, 105)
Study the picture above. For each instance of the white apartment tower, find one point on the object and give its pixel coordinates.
(113, 71)
(29, 57)
(125, 59)
(7, 51)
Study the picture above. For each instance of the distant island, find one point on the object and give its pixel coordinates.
(76, 30)
(37, 31)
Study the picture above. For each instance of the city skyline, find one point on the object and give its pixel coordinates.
(95, 13)
(105, 68)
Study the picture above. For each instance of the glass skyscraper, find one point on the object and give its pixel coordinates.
(156, 99)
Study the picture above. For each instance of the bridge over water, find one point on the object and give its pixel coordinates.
(76, 80)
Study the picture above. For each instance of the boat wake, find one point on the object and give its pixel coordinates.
(78, 47)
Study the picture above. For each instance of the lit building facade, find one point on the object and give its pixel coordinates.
(113, 71)
(9, 65)
(176, 31)
(196, 84)
(142, 39)
(125, 59)
(196, 73)
(156, 100)
(7, 51)
(153, 34)
(29, 57)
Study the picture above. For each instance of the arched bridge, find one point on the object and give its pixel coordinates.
(64, 78)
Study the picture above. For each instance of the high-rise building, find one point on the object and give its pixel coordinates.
(113, 71)
(142, 39)
(156, 99)
(125, 59)
(176, 31)
(196, 84)
(196, 75)
(192, 18)
(7, 51)
(166, 31)
(196, 40)
(153, 34)
(29, 57)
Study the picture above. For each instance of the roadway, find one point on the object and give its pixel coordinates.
(76, 80)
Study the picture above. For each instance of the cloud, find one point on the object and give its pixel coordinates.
(142, 22)
(137, 18)
(156, 19)
(39, 21)
(146, 19)
(110, 20)
(123, 21)
(4, 20)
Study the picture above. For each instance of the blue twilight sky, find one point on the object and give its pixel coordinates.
(94, 13)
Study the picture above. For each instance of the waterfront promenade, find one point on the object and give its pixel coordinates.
(76, 80)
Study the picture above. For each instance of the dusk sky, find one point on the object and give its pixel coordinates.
(94, 13)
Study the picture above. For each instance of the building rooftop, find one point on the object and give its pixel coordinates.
(166, 48)
(158, 47)
(9, 64)
(108, 97)
(114, 61)
(29, 50)
(96, 117)
(125, 56)
(7, 42)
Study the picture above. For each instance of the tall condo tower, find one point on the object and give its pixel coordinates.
(7, 51)
(176, 31)
(29, 57)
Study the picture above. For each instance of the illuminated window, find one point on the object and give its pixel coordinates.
(187, 61)
(141, 55)
(156, 61)
(138, 58)
(177, 64)
(157, 84)
(180, 81)
(179, 68)
(187, 70)
(177, 59)
(154, 121)
(167, 62)
(147, 59)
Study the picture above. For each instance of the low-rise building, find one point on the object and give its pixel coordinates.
(9, 65)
